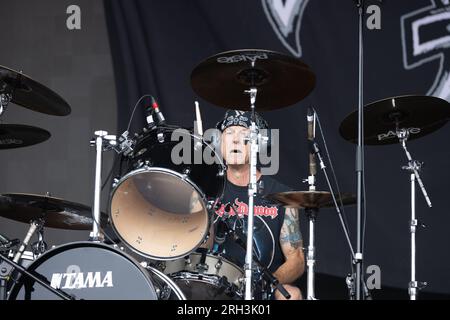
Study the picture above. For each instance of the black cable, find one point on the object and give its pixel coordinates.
(332, 171)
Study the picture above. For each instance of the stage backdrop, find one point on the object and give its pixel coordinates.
(156, 44)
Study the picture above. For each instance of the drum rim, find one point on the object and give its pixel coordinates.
(170, 172)
(217, 257)
(221, 164)
(71, 245)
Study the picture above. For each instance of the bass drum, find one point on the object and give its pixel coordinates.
(160, 207)
(88, 271)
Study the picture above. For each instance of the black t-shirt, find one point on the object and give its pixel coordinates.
(268, 220)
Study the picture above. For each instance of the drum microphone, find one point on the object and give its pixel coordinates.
(159, 116)
(311, 119)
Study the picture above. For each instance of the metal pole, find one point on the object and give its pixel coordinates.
(311, 260)
(359, 155)
(95, 235)
(252, 190)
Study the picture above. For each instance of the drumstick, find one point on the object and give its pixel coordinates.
(198, 119)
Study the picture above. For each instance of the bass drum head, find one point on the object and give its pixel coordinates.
(88, 271)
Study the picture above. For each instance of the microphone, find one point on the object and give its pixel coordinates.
(159, 116)
(311, 119)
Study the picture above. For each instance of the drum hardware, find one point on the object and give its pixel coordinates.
(40, 246)
(25, 273)
(5, 98)
(413, 167)
(312, 201)
(205, 276)
(224, 80)
(401, 119)
(143, 211)
(102, 142)
(169, 285)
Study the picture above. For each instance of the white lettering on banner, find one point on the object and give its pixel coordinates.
(425, 38)
(285, 18)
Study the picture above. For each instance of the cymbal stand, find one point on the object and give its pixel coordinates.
(311, 214)
(7, 265)
(102, 142)
(14, 265)
(252, 190)
(414, 168)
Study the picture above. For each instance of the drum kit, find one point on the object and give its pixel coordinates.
(162, 211)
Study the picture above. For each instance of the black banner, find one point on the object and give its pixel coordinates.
(156, 45)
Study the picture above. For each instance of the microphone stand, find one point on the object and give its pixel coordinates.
(315, 149)
(358, 256)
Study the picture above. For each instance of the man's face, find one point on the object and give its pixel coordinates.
(234, 149)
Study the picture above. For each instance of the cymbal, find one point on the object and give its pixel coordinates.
(18, 135)
(419, 115)
(310, 199)
(30, 94)
(57, 213)
(281, 80)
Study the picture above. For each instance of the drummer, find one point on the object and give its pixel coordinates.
(277, 236)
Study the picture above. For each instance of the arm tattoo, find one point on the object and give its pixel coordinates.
(290, 231)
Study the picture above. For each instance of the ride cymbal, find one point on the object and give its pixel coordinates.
(419, 115)
(281, 80)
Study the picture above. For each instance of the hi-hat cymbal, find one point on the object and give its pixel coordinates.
(17, 136)
(57, 213)
(281, 80)
(310, 199)
(30, 94)
(419, 115)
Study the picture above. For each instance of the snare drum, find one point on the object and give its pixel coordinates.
(160, 207)
(86, 270)
(203, 276)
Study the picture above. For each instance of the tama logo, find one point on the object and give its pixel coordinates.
(82, 280)
(251, 57)
(393, 134)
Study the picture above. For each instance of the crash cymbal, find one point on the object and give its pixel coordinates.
(281, 80)
(30, 94)
(420, 115)
(309, 199)
(57, 213)
(17, 136)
